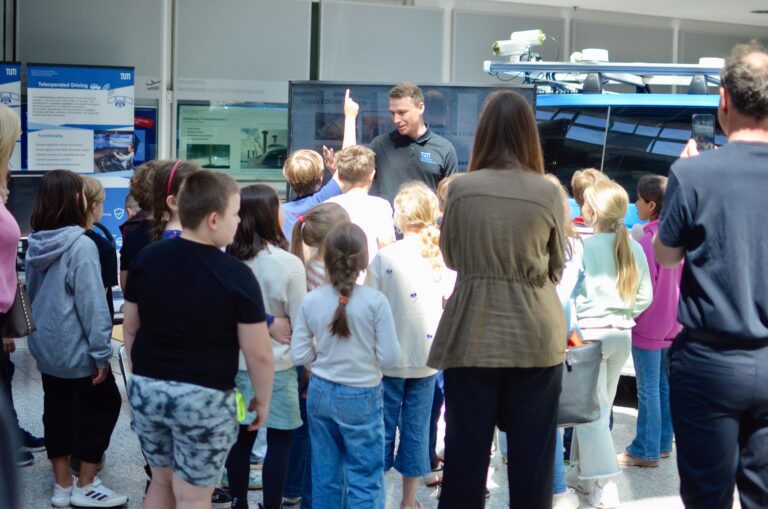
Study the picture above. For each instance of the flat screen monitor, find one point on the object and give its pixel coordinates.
(21, 200)
(316, 113)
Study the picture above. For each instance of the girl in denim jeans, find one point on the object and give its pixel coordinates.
(346, 331)
(412, 275)
(652, 336)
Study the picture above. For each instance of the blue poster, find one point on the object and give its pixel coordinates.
(10, 95)
(80, 118)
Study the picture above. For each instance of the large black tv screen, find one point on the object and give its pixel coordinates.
(316, 113)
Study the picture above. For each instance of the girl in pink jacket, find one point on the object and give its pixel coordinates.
(652, 336)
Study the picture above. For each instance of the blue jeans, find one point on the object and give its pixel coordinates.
(346, 427)
(298, 483)
(558, 481)
(408, 405)
(654, 420)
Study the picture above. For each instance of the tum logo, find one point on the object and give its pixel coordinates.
(11, 71)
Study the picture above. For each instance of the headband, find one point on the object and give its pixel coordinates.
(173, 172)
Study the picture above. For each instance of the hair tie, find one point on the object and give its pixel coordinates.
(173, 172)
(300, 218)
(343, 300)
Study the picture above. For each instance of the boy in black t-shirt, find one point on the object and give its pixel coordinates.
(189, 309)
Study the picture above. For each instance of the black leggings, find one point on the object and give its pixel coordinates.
(276, 466)
(239, 467)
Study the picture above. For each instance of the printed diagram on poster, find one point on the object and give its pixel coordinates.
(10, 95)
(80, 118)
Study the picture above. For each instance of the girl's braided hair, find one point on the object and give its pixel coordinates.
(345, 255)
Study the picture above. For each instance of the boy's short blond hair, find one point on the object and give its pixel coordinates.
(303, 170)
(355, 164)
(584, 179)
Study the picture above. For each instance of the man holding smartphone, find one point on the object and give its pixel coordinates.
(719, 363)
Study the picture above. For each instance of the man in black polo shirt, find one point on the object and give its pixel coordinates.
(712, 217)
(410, 152)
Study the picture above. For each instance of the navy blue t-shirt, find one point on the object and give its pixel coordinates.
(714, 208)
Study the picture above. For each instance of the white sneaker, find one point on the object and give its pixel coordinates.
(567, 500)
(96, 495)
(61, 495)
(604, 495)
(583, 486)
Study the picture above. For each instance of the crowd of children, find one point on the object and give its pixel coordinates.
(313, 322)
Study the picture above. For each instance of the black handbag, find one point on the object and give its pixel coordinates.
(578, 399)
(18, 321)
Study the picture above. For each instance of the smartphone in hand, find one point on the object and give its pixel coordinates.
(703, 130)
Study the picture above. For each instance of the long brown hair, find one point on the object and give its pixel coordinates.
(346, 254)
(59, 201)
(166, 181)
(506, 136)
(259, 223)
(312, 228)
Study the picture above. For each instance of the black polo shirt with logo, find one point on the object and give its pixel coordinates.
(399, 159)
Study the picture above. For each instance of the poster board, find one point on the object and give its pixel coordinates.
(80, 118)
(10, 95)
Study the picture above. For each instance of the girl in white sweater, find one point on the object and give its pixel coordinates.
(348, 334)
(260, 243)
(413, 277)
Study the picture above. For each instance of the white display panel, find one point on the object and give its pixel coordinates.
(247, 141)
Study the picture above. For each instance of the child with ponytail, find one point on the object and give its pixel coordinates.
(307, 237)
(651, 338)
(346, 331)
(413, 277)
(616, 288)
(166, 183)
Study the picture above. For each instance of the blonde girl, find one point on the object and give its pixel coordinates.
(308, 236)
(616, 288)
(413, 277)
(94, 202)
(348, 334)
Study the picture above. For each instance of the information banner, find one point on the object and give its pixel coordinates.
(80, 118)
(10, 95)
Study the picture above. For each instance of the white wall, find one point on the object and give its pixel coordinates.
(389, 43)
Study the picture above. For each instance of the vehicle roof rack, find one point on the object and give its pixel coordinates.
(588, 77)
